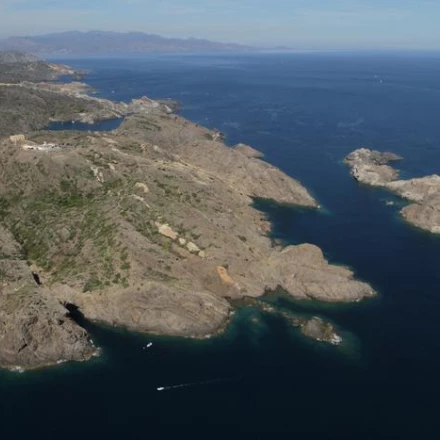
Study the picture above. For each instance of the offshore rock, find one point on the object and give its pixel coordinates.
(424, 212)
(315, 328)
(321, 331)
(370, 167)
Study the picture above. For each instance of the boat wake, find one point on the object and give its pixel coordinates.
(192, 384)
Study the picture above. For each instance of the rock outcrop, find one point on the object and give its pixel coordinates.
(304, 272)
(321, 331)
(35, 328)
(313, 327)
(158, 308)
(370, 167)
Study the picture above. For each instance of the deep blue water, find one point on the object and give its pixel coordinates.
(262, 380)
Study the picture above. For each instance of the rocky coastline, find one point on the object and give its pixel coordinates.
(371, 168)
(149, 227)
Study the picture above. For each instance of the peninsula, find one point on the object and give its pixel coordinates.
(150, 227)
(371, 168)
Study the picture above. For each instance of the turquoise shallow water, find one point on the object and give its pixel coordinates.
(262, 379)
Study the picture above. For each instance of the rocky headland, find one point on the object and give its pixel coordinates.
(149, 227)
(17, 67)
(371, 168)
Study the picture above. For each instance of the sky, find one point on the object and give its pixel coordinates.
(298, 24)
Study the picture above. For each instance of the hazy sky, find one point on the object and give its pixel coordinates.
(303, 24)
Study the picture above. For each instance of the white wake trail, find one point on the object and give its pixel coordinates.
(192, 384)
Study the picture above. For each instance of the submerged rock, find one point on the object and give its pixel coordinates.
(315, 328)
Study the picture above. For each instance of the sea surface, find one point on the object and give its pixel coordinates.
(261, 379)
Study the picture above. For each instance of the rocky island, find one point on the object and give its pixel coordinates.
(371, 168)
(149, 227)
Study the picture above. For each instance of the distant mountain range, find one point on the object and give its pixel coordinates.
(101, 43)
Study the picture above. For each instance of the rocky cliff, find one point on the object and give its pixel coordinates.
(35, 328)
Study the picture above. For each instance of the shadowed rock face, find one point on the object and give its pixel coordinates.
(35, 329)
(424, 212)
(150, 227)
(159, 308)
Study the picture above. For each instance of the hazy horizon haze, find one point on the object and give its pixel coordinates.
(298, 24)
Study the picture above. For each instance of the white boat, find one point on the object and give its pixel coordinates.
(150, 344)
(160, 388)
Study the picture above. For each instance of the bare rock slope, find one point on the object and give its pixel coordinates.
(370, 167)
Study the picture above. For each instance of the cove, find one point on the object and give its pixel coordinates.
(108, 125)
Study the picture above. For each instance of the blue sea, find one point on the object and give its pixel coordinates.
(261, 379)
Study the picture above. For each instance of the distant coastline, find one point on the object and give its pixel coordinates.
(96, 43)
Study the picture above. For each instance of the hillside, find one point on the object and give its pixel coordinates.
(99, 43)
(16, 67)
